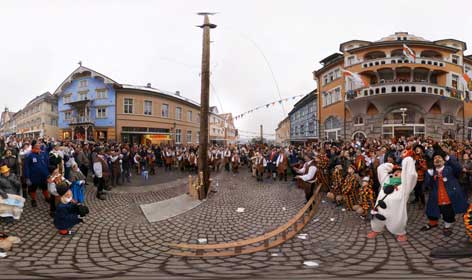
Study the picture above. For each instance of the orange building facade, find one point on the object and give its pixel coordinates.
(422, 96)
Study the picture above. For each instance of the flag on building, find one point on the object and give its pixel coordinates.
(467, 77)
(465, 80)
(409, 53)
(356, 79)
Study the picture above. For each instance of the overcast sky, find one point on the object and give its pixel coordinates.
(141, 41)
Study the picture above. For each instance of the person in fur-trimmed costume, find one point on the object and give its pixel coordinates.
(350, 187)
(335, 193)
(390, 210)
(366, 196)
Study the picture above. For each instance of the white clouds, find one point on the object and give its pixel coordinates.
(157, 41)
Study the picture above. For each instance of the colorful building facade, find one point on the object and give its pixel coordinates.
(408, 86)
(304, 119)
(86, 103)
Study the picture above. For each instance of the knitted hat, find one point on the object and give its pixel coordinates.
(62, 188)
(4, 169)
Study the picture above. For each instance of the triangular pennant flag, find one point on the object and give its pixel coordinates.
(267, 105)
(280, 101)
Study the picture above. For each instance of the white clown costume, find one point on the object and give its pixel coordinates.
(395, 213)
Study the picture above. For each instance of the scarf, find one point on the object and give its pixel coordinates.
(393, 182)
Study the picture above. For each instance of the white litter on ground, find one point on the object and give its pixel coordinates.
(283, 208)
(316, 220)
(331, 219)
(274, 255)
(202, 240)
(302, 236)
(240, 210)
(344, 209)
(311, 263)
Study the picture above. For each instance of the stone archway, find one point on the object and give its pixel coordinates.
(359, 135)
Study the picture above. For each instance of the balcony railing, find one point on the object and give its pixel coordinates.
(402, 60)
(404, 88)
(80, 120)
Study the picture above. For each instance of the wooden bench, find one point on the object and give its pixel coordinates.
(256, 244)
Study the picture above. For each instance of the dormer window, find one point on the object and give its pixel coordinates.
(83, 83)
(455, 59)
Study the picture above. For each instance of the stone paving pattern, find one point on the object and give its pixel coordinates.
(117, 241)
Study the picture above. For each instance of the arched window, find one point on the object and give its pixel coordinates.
(374, 55)
(449, 120)
(359, 120)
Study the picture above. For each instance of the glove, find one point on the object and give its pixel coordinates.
(82, 182)
(28, 182)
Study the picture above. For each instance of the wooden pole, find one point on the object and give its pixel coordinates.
(204, 104)
(262, 135)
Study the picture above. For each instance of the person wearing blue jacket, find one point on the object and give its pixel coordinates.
(36, 172)
(446, 197)
(67, 213)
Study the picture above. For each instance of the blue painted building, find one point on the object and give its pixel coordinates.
(304, 119)
(86, 105)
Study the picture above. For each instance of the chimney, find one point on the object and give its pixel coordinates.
(148, 85)
(177, 93)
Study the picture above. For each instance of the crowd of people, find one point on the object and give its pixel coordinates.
(373, 177)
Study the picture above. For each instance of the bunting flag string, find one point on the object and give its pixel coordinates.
(280, 101)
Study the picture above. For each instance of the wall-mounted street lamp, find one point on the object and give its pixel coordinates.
(404, 114)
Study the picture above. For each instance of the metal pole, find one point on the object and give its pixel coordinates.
(204, 104)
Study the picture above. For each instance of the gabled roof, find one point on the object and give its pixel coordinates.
(80, 70)
(331, 58)
(310, 96)
(44, 96)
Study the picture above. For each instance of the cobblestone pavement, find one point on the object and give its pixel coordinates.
(117, 241)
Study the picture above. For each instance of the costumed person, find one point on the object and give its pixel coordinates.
(421, 168)
(446, 196)
(77, 179)
(350, 187)
(11, 200)
(260, 164)
(335, 194)
(303, 170)
(235, 161)
(322, 175)
(282, 165)
(227, 159)
(101, 173)
(68, 214)
(306, 181)
(271, 164)
(10, 160)
(36, 172)
(366, 197)
(468, 223)
(54, 180)
(137, 162)
(390, 210)
(56, 158)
